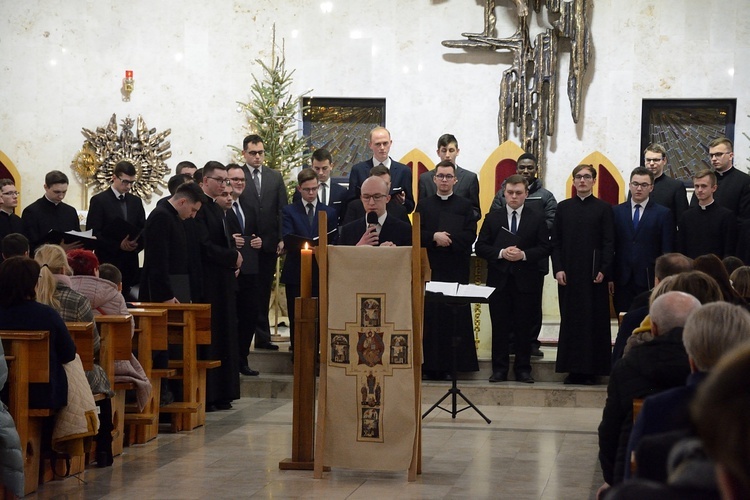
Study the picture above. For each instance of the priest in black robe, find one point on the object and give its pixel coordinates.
(448, 230)
(582, 257)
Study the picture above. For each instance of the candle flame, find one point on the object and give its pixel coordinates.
(307, 247)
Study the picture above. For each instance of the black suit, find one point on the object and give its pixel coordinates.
(267, 206)
(219, 257)
(337, 198)
(248, 306)
(165, 254)
(515, 305)
(42, 216)
(104, 210)
(400, 178)
(394, 230)
(670, 193)
(467, 186)
(355, 210)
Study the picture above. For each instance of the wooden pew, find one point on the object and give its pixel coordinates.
(188, 325)
(28, 355)
(150, 335)
(114, 332)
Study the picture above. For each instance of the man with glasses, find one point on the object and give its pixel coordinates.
(643, 232)
(448, 230)
(50, 212)
(220, 261)
(667, 192)
(356, 210)
(266, 193)
(299, 221)
(384, 230)
(9, 221)
(467, 182)
(107, 210)
(582, 256)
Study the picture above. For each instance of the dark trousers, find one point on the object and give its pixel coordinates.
(513, 311)
(266, 272)
(624, 295)
(247, 313)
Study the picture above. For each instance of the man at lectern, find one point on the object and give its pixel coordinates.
(377, 229)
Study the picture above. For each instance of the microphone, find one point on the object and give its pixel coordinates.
(372, 218)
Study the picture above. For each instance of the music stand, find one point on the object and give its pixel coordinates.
(454, 303)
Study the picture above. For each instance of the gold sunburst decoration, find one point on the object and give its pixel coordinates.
(146, 149)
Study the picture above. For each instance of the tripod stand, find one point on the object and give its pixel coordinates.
(454, 392)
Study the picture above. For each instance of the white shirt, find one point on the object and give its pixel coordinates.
(632, 208)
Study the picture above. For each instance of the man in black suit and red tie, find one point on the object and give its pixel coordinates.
(105, 209)
(380, 145)
(514, 241)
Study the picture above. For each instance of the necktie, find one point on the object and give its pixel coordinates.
(323, 193)
(636, 216)
(123, 207)
(310, 213)
(256, 180)
(514, 222)
(237, 211)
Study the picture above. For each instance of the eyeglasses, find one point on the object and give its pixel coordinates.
(652, 160)
(309, 190)
(10, 193)
(642, 185)
(237, 179)
(219, 180)
(584, 177)
(255, 153)
(445, 177)
(374, 197)
(126, 182)
(718, 155)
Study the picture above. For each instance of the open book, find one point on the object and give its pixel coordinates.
(458, 290)
(86, 237)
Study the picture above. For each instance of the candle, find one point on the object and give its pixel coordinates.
(129, 73)
(306, 273)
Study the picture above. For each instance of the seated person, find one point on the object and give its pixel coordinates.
(106, 298)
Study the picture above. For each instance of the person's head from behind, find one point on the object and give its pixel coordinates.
(731, 263)
(720, 412)
(83, 262)
(698, 284)
(187, 200)
(671, 310)
(712, 331)
(15, 244)
(52, 260)
(712, 265)
(670, 264)
(110, 272)
(740, 281)
(18, 279)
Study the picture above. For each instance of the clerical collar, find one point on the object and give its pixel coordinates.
(386, 162)
(55, 203)
(725, 172)
(583, 197)
(6, 211)
(445, 198)
(703, 207)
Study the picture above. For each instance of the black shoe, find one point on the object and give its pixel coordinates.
(211, 408)
(524, 377)
(224, 405)
(537, 353)
(269, 346)
(579, 379)
(499, 377)
(246, 370)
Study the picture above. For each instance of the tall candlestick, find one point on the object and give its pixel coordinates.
(305, 286)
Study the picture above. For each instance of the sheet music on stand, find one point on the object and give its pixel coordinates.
(458, 290)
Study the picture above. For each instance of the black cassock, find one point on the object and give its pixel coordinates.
(451, 264)
(582, 246)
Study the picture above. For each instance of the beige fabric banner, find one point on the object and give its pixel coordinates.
(370, 413)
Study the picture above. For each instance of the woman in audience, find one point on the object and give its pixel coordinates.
(20, 311)
(740, 278)
(54, 290)
(711, 265)
(106, 298)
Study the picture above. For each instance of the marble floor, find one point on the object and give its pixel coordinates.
(534, 453)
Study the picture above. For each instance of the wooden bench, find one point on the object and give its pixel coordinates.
(114, 332)
(28, 355)
(150, 335)
(188, 325)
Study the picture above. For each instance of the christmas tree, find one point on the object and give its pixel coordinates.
(272, 113)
